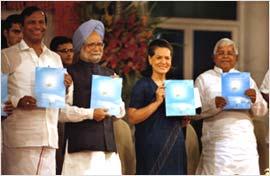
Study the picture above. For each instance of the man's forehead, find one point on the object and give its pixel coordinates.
(229, 46)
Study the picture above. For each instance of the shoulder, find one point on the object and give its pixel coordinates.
(206, 74)
(11, 50)
(107, 70)
(143, 82)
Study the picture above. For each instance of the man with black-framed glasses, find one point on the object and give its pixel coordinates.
(63, 46)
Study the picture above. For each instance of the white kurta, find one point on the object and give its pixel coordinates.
(26, 133)
(228, 141)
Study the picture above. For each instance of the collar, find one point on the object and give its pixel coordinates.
(220, 71)
(23, 46)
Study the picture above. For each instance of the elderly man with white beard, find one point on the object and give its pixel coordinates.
(91, 147)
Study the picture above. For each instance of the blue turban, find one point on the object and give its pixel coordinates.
(84, 30)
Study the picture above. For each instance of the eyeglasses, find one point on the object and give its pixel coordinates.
(94, 44)
(224, 53)
(65, 50)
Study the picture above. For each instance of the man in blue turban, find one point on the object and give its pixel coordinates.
(91, 148)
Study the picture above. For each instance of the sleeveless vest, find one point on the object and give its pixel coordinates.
(88, 134)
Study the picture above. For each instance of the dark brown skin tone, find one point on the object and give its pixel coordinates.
(226, 59)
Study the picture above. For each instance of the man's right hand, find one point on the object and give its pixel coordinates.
(27, 103)
(100, 114)
(220, 102)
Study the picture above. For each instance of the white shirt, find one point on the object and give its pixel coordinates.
(24, 128)
(265, 84)
(227, 136)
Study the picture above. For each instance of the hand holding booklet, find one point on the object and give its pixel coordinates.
(106, 93)
(179, 98)
(234, 86)
(49, 87)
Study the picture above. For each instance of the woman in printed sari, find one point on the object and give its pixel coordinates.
(159, 140)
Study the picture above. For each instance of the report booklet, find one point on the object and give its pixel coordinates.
(234, 86)
(4, 92)
(50, 89)
(106, 93)
(179, 98)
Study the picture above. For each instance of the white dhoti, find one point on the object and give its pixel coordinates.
(28, 161)
(91, 163)
(229, 148)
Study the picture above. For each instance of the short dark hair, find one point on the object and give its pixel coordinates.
(159, 43)
(29, 11)
(59, 40)
(12, 19)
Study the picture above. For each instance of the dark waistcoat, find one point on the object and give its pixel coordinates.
(88, 134)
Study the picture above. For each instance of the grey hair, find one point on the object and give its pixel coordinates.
(225, 42)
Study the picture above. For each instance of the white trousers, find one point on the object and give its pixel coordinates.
(28, 161)
(91, 163)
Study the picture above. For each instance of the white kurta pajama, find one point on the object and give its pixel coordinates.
(228, 141)
(27, 132)
(30, 137)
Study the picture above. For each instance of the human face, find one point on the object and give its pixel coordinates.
(14, 34)
(34, 27)
(161, 61)
(66, 53)
(225, 57)
(92, 49)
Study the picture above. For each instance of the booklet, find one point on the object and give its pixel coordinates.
(4, 92)
(234, 86)
(106, 93)
(179, 98)
(49, 87)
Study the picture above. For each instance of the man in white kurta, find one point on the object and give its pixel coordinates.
(228, 140)
(30, 134)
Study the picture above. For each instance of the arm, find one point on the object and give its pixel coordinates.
(259, 106)
(139, 115)
(75, 114)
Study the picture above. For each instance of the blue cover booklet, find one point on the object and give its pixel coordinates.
(4, 92)
(106, 93)
(49, 87)
(179, 98)
(234, 86)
